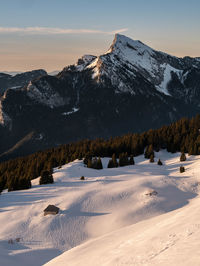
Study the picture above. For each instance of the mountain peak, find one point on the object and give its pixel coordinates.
(123, 38)
(122, 43)
(128, 61)
(137, 60)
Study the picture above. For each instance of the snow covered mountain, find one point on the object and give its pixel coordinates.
(110, 218)
(131, 87)
(128, 59)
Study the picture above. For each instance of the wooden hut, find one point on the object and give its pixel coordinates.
(51, 209)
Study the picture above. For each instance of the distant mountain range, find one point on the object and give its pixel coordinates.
(19, 80)
(131, 87)
(12, 73)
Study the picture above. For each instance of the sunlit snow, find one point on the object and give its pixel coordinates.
(99, 209)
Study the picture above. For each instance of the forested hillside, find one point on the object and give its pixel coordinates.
(184, 135)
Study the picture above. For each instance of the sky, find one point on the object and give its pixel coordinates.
(52, 34)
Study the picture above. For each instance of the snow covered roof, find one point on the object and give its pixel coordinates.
(51, 209)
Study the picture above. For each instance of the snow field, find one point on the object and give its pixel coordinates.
(107, 201)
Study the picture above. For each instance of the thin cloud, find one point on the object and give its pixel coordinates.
(63, 31)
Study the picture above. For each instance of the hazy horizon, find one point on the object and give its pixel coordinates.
(51, 35)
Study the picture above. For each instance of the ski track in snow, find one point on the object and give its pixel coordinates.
(108, 218)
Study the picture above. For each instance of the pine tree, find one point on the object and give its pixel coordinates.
(89, 163)
(131, 161)
(182, 169)
(126, 160)
(151, 159)
(95, 163)
(146, 153)
(149, 151)
(182, 157)
(87, 157)
(99, 164)
(46, 177)
(191, 148)
(110, 164)
(24, 183)
(121, 159)
(32, 173)
(115, 163)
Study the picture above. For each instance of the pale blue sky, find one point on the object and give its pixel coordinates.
(51, 34)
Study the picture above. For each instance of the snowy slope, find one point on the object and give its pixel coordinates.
(108, 200)
(169, 239)
(53, 73)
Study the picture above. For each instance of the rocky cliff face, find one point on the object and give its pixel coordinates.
(129, 88)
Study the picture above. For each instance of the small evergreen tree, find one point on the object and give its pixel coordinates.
(87, 158)
(95, 163)
(89, 163)
(151, 159)
(110, 164)
(182, 157)
(182, 169)
(123, 159)
(131, 161)
(191, 150)
(46, 177)
(115, 163)
(159, 162)
(82, 178)
(126, 160)
(99, 164)
(24, 183)
(149, 151)
(50, 169)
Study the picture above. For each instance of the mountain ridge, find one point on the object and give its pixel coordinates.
(129, 88)
(18, 80)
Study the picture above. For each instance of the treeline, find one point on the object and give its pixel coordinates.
(183, 135)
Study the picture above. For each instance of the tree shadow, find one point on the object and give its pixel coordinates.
(26, 256)
(21, 198)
